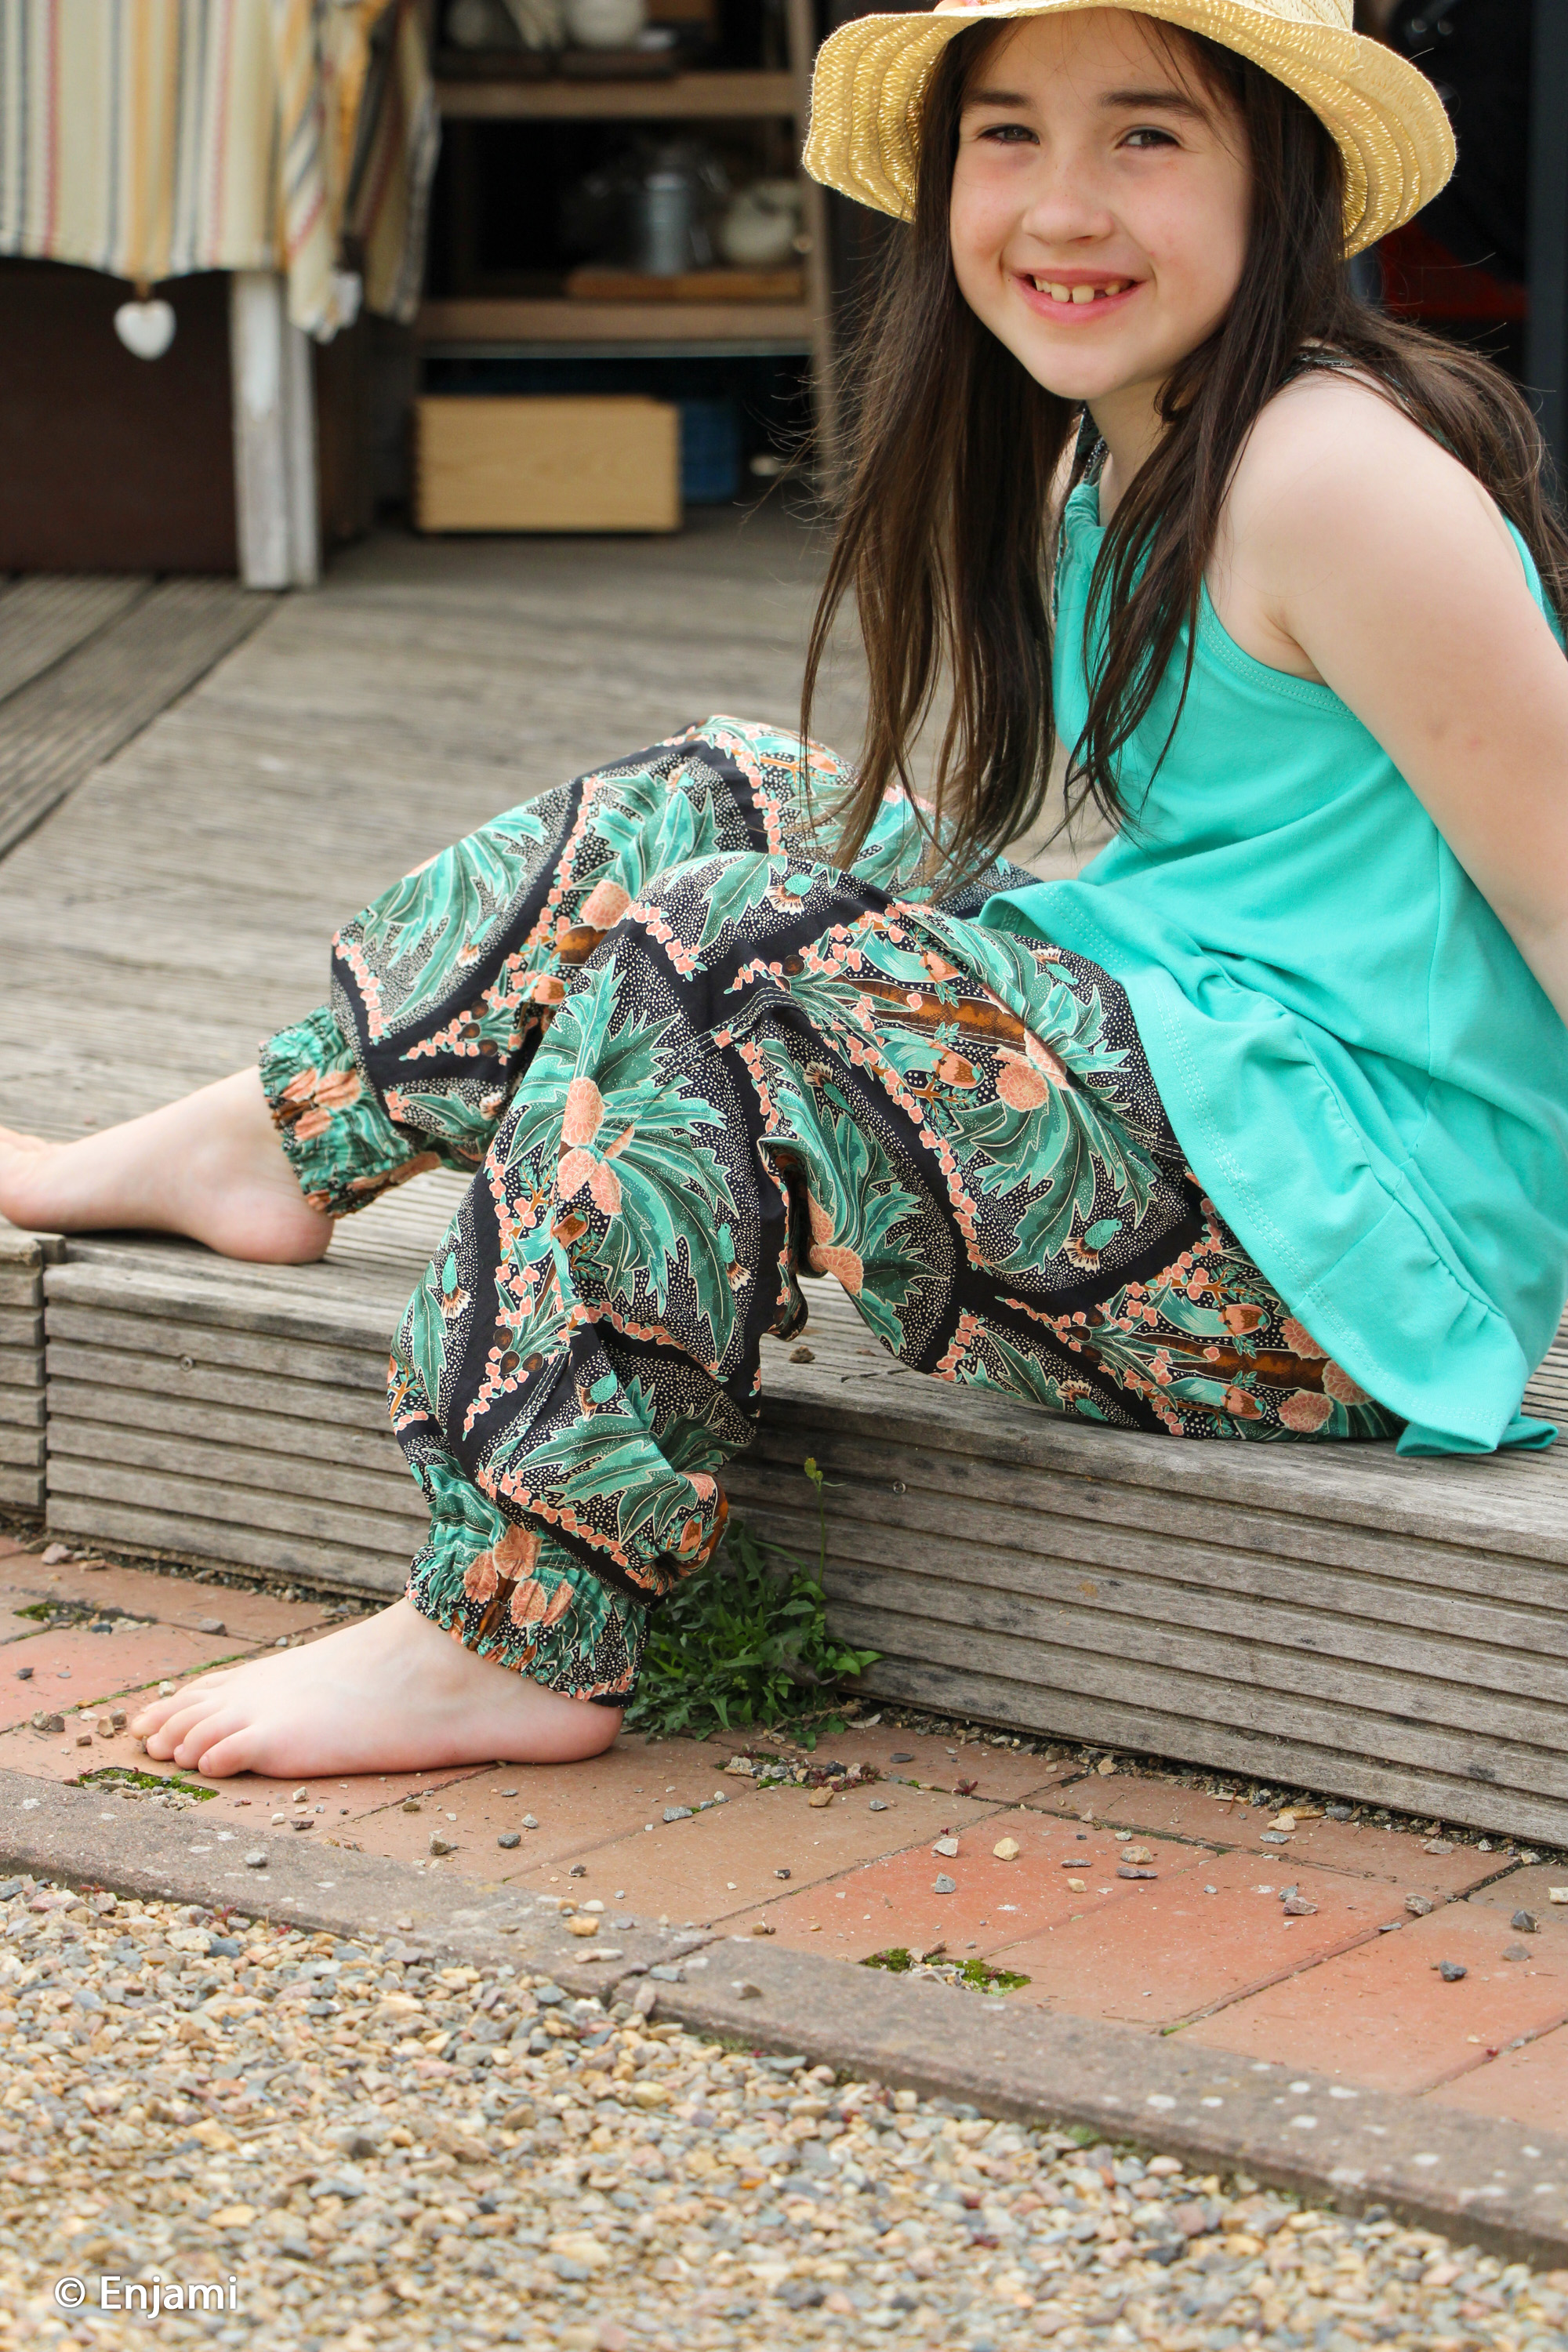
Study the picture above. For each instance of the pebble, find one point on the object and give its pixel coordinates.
(1419, 1905)
(409, 2161)
(1526, 1922)
(257, 1861)
(677, 1812)
(1450, 1970)
(439, 1845)
(942, 1885)
(1007, 1849)
(878, 1805)
(528, 1822)
(510, 1838)
(945, 1845)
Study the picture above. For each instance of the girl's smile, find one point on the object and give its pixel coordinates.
(1076, 298)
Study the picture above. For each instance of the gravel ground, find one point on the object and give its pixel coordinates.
(383, 2151)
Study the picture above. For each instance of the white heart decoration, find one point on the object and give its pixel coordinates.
(145, 328)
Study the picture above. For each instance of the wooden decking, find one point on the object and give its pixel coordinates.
(1331, 1616)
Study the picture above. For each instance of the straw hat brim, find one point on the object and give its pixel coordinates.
(1385, 116)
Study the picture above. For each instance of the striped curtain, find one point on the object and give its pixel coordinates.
(153, 137)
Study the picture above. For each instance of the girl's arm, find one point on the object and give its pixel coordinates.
(1380, 565)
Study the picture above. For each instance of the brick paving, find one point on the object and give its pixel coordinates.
(1352, 1988)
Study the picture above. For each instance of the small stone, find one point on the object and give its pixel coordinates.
(878, 1805)
(1338, 1812)
(580, 1924)
(818, 1799)
(744, 1990)
(1007, 1849)
(24, 1673)
(764, 1927)
(528, 1822)
(1295, 1906)
(1134, 1869)
(210, 1625)
(677, 1812)
(578, 1870)
(441, 1845)
(48, 1722)
(780, 1873)
(257, 1861)
(1274, 1837)
(1526, 1922)
(53, 1554)
(84, 1740)
(942, 1885)
(1077, 1885)
(302, 1822)
(901, 1756)
(1106, 1767)
(1516, 1951)
(301, 1796)
(1418, 1906)
(1286, 1821)
(802, 1355)
(117, 1718)
(742, 1767)
(167, 1690)
(510, 1838)
(945, 1845)
(644, 1999)
(1136, 1853)
(1557, 1894)
(1439, 1845)
(412, 1805)
(1450, 1970)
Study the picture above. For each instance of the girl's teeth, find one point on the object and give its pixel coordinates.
(1084, 293)
(1059, 293)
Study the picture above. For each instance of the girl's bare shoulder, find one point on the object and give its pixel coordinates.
(1331, 461)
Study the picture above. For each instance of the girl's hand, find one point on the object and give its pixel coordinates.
(1357, 550)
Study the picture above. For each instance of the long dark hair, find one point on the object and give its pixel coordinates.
(944, 536)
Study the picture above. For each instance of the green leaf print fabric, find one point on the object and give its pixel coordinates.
(688, 1062)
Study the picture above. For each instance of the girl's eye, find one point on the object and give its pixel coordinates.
(1148, 135)
(1005, 135)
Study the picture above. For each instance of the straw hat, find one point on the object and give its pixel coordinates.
(871, 78)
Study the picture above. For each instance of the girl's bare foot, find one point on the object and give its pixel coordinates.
(393, 1693)
(209, 1165)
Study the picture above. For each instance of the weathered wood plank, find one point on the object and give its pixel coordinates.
(186, 1346)
(193, 1465)
(45, 618)
(1104, 1521)
(314, 1559)
(123, 1386)
(237, 1507)
(22, 1407)
(23, 1489)
(21, 1449)
(282, 1427)
(1182, 1581)
(59, 727)
(1066, 1712)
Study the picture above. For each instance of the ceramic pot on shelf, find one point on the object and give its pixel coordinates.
(761, 228)
(604, 24)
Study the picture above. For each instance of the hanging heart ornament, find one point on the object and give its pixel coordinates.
(145, 328)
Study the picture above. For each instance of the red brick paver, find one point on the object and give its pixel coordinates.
(1527, 2085)
(1383, 2013)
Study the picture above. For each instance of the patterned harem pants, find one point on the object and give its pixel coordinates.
(688, 1060)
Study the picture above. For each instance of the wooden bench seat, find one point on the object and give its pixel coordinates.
(1329, 1616)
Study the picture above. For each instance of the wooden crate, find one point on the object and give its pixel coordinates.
(606, 462)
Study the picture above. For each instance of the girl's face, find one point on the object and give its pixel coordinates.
(1099, 203)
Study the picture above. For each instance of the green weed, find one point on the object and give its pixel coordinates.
(743, 1645)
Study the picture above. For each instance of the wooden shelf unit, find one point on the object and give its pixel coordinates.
(546, 325)
(682, 98)
(491, 318)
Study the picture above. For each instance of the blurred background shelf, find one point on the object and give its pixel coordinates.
(684, 97)
(528, 325)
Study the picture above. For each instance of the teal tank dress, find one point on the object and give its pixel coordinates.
(1367, 1078)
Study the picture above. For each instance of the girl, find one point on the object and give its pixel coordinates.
(1257, 1130)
